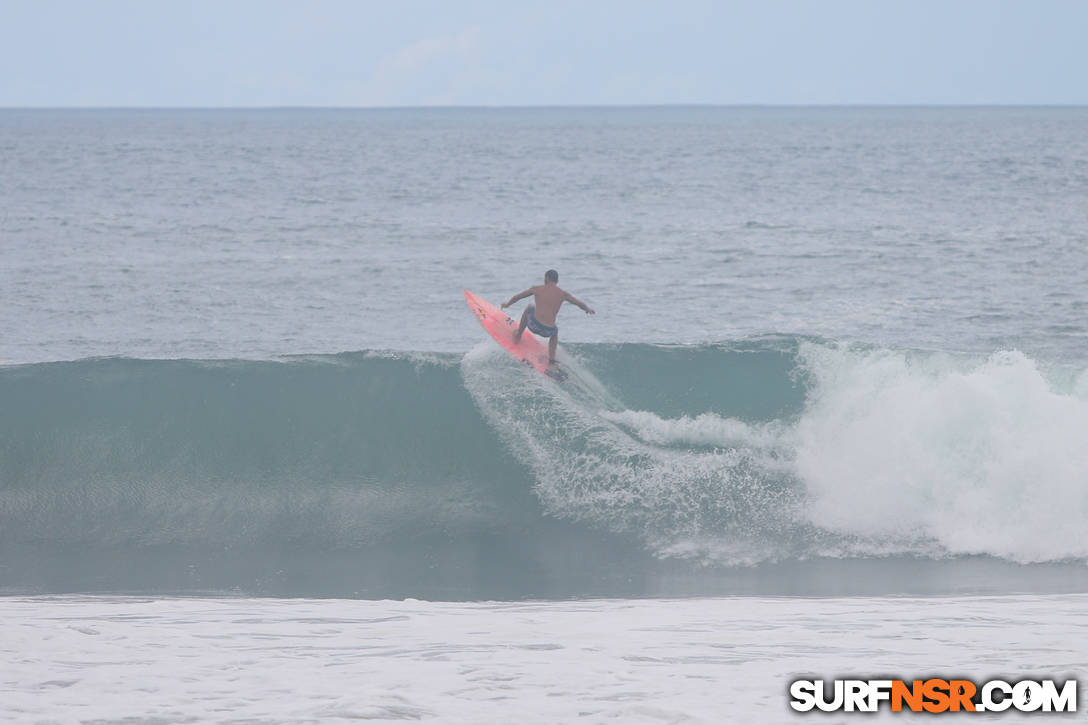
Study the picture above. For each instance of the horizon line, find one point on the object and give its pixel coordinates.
(571, 106)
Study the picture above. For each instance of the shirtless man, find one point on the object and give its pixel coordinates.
(540, 317)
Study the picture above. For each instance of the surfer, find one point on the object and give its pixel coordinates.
(540, 316)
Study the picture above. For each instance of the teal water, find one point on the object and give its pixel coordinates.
(447, 476)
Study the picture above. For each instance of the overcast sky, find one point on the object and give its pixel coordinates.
(508, 52)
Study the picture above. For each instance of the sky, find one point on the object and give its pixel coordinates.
(237, 53)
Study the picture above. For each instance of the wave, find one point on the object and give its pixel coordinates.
(959, 455)
(769, 450)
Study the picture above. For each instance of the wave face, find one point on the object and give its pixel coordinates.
(655, 469)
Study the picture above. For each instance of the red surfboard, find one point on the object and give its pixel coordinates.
(502, 327)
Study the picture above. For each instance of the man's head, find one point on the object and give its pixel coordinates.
(551, 276)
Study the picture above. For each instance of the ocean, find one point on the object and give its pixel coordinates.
(829, 419)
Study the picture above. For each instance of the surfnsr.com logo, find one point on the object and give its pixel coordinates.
(933, 695)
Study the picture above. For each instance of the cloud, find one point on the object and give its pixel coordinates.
(412, 58)
(428, 71)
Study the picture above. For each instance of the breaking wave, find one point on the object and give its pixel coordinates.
(377, 466)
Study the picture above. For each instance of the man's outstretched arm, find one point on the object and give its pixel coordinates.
(577, 302)
(518, 296)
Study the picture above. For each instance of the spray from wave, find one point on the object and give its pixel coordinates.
(634, 471)
(892, 452)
